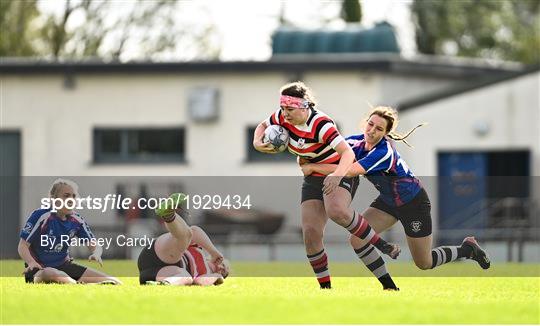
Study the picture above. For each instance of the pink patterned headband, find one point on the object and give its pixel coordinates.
(293, 102)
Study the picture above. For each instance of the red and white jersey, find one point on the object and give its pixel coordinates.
(315, 140)
(194, 261)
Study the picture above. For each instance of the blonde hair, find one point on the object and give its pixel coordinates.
(58, 183)
(391, 116)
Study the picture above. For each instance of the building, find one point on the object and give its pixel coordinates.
(197, 118)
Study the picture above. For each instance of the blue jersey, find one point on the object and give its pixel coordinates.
(386, 170)
(45, 226)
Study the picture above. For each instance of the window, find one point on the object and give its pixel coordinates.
(144, 145)
(255, 156)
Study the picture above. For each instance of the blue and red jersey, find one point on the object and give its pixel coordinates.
(386, 170)
(46, 225)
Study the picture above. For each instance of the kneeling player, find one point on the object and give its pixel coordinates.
(51, 263)
(178, 257)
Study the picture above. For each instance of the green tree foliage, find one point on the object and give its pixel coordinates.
(502, 29)
(114, 30)
(351, 11)
(16, 27)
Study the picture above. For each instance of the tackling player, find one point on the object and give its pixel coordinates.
(402, 197)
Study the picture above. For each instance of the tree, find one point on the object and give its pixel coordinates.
(15, 27)
(506, 29)
(119, 30)
(351, 11)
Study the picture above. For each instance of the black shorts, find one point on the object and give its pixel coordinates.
(149, 264)
(312, 187)
(415, 216)
(73, 270)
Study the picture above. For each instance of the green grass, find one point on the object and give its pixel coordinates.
(278, 300)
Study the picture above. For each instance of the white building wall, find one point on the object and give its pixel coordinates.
(57, 123)
(511, 110)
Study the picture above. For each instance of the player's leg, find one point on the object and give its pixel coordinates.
(174, 275)
(53, 275)
(170, 246)
(427, 258)
(379, 221)
(416, 219)
(93, 276)
(337, 205)
(313, 223)
(208, 279)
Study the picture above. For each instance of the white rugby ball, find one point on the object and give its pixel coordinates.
(277, 136)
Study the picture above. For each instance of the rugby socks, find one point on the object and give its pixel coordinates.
(375, 263)
(169, 219)
(319, 263)
(360, 228)
(446, 254)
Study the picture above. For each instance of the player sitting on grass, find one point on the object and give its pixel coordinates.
(178, 257)
(51, 263)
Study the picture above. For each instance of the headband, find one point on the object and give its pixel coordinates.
(293, 102)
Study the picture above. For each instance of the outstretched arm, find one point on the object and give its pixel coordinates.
(201, 238)
(24, 252)
(97, 251)
(355, 169)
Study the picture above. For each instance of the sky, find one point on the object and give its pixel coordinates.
(244, 27)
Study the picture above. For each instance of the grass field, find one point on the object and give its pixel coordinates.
(280, 300)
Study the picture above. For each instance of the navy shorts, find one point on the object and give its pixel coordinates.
(415, 216)
(73, 270)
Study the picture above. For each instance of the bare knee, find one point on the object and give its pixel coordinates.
(422, 264)
(188, 234)
(312, 235)
(339, 214)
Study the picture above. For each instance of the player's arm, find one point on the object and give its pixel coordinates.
(96, 251)
(258, 143)
(24, 252)
(347, 158)
(201, 238)
(326, 169)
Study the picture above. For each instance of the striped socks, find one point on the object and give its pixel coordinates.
(360, 228)
(319, 263)
(375, 263)
(446, 254)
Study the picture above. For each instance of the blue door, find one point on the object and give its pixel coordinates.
(462, 190)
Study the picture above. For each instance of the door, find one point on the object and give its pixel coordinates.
(10, 185)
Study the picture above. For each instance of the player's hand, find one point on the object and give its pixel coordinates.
(33, 265)
(330, 183)
(217, 258)
(302, 160)
(307, 169)
(96, 258)
(264, 147)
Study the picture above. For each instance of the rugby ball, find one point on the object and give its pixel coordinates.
(277, 136)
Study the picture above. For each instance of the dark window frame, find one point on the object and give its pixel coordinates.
(128, 135)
